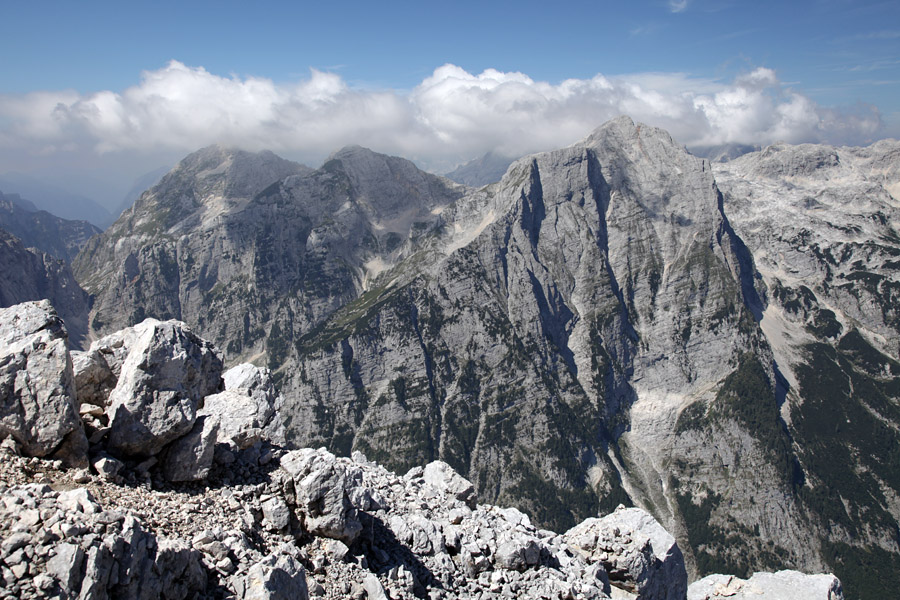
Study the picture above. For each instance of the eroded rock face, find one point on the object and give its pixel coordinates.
(783, 585)
(190, 457)
(94, 379)
(162, 381)
(30, 274)
(322, 485)
(38, 407)
(276, 577)
(639, 555)
(247, 411)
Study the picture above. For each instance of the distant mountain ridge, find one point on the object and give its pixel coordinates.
(55, 200)
(616, 321)
(39, 229)
(140, 185)
(481, 171)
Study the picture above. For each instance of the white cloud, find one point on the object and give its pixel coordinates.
(677, 6)
(451, 116)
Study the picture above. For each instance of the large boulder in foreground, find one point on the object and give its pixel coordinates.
(442, 476)
(638, 554)
(247, 411)
(163, 371)
(322, 485)
(38, 406)
(783, 585)
(276, 577)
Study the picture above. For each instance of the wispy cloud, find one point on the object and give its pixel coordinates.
(644, 29)
(450, 116)
(875, 65)
(887, 34)
(677, 6)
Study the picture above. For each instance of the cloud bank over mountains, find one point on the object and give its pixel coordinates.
(451, 116)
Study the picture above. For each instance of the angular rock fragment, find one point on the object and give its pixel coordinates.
(189, 458)
(322, 485)
(38, 406)
(276, 577)
(444, 478)
(783, 585)
(94, 380)
(247, 411)
(640, 556)
(164, 372)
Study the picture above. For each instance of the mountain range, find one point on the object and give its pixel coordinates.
(618, 321)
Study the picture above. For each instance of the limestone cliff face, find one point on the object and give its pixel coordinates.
(821, 223)
(28, 274)
(252, 249)
(548, 349)
(603, 325)
(188, 245)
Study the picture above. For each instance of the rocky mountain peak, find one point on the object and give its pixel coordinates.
(8, 201)
(786, 160)
(638, 142)
(390, 187)
(30, 274)
(227, 172)
(481, 171)
(39, 229)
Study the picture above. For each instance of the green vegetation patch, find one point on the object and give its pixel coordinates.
(747, 397)
(346, 321)
(552, 506)
(845, 430)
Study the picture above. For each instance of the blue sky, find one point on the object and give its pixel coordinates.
(91, 87)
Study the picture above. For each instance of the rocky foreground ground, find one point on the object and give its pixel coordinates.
(142, 469)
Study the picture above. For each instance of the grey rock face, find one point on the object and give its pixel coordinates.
(823, 218)
(39, 409)
(481, 171)
(94, 379)
(162, 380)
(247, 411)
(637, 553)
(276, 577)
(322, 486)
(190, 457)
(603, 276)
(252, 250)
(602, 326)
(820, 222)
(783, 585)
(444, 478)
(29, 274)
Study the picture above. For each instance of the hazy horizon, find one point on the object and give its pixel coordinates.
(107, 93)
